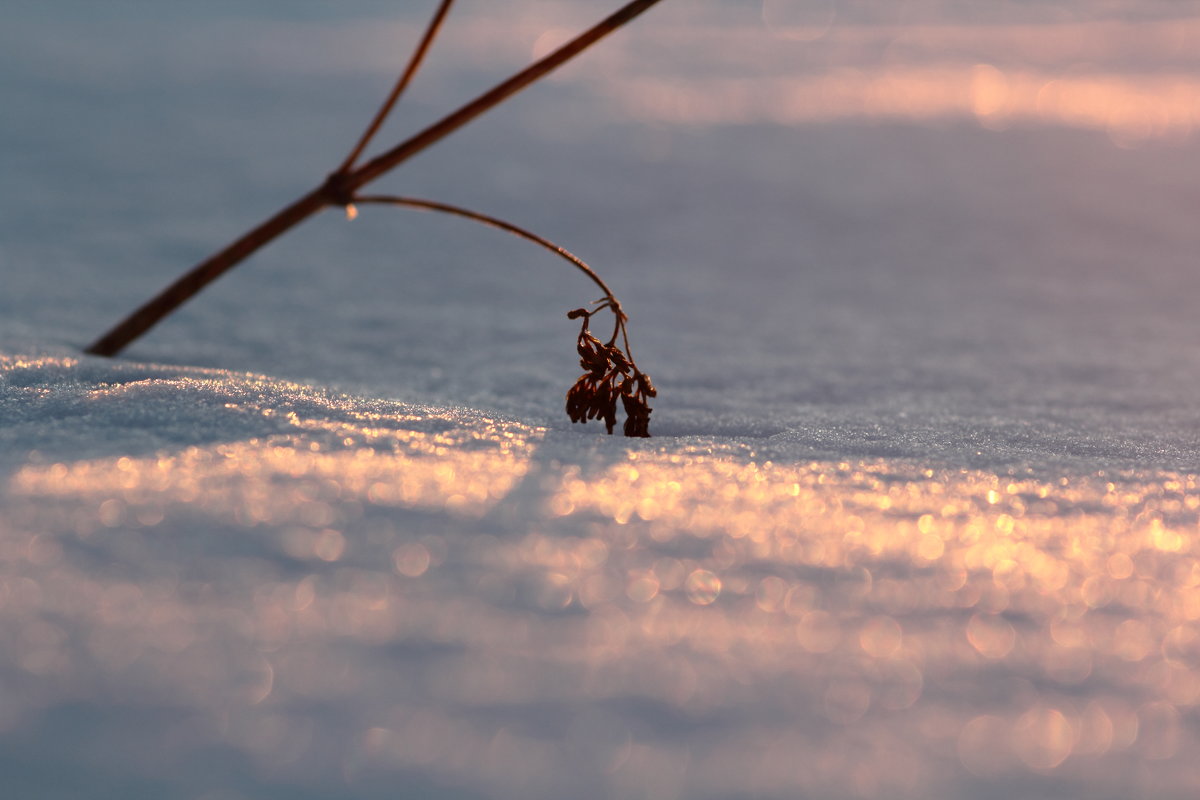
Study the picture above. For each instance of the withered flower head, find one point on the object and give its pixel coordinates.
(609, 374)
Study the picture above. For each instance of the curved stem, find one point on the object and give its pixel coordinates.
(610, 301)
(495, 222)
(414, 64)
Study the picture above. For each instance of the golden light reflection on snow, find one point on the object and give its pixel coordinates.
(869, 623)
(807, 62)
(810, 67)
(1074, 593)
(282, 480)
(1131, 109)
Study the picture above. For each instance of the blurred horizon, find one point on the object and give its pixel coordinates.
(1125, 68)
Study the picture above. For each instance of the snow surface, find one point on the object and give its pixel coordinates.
(920, 514)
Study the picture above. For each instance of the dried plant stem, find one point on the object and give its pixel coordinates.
(205, 273)
(381, 164)
(495, 222)
(414, 63)
(339, 188)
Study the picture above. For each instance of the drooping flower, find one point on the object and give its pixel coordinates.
(609, 375)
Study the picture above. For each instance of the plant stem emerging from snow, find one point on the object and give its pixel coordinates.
(341, 186)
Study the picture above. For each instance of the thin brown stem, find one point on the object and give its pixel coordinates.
(385, 162)
(414, 64)
(204, 273)
(340, 187)
(495, 222)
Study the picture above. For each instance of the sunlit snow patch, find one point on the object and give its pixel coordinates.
(357, 595)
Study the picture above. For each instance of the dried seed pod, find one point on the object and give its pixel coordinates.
(609, 375)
